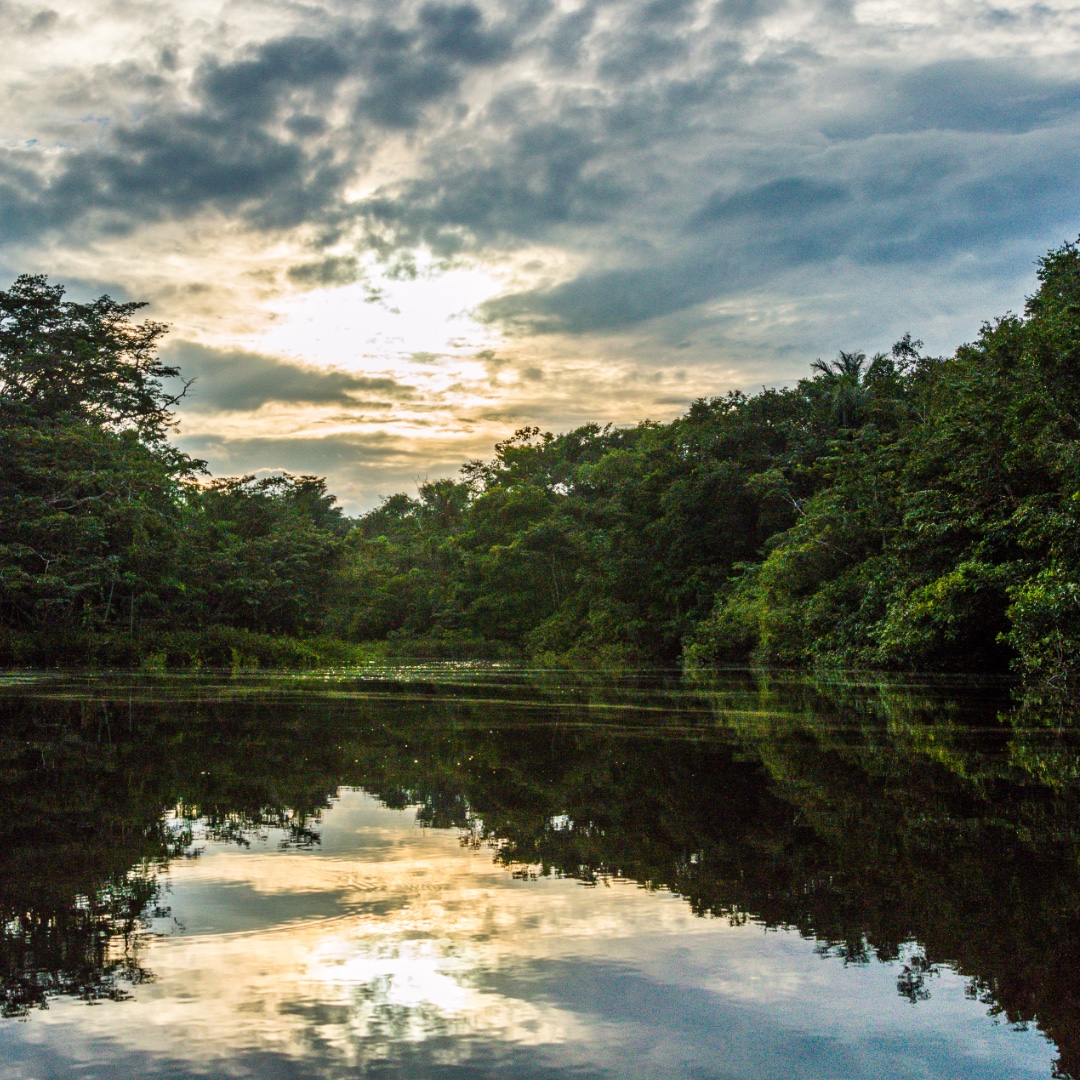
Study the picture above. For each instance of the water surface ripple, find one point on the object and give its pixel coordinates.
(455, 871)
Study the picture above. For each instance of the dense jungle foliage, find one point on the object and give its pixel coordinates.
(112, 545)
(901, 511)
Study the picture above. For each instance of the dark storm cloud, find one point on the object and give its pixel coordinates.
(966, 95)
(895, 204)
(883, 170)
(667, 12)
(233, 380)
(173, 164)
(746, 12)
(974, 95)
(254, 140)
(615, 299)
(565, 40)
(664, 145)
(791, 197)
(251, 90)
(543, 175)
(458, 33)
(641, 53)
(561, 166)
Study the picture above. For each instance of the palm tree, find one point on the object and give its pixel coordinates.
(848, 366)
(846, 377)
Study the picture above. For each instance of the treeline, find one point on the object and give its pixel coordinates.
(901, 511)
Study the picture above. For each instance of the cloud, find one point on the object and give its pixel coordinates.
(457, 32)
(303, 453)
(27, 19)
(542, 176)
(790, 197)
(743, 13)
(252, 136)
(590, 126)
(963, 94)
(333, 270)
(900, 199)
(745, 173)
(233, 380)
(948, 160)
(362, 469)
(167, 167)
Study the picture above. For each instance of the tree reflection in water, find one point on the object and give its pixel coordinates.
(868, 818)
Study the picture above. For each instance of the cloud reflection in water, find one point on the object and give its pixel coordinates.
(391, 950)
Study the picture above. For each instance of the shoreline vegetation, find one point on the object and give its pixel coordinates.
(900, 511)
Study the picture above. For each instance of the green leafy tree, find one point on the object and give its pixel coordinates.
(88, 484)
(91, 362)
(258, 554)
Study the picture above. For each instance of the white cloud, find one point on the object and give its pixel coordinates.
(579, 189)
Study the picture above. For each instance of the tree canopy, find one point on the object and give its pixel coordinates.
(60, 359)
(108, 529)
(900, 510)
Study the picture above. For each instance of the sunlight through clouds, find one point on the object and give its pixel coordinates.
(529, 213)
(400, 321)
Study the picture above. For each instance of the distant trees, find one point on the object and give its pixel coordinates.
(258, 554)
(900, 511)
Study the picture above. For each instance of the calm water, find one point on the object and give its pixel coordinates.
(457, 873)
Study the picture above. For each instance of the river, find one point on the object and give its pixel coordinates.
(459, 871)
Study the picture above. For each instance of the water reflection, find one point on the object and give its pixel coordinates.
(241, 861)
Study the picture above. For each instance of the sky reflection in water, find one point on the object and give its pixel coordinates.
(387, 949)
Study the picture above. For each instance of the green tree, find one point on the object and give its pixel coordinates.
(88, 483)
(258, 554)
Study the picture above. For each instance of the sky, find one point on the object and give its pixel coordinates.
(385, 236)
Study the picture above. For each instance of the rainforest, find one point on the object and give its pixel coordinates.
(893, 511)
